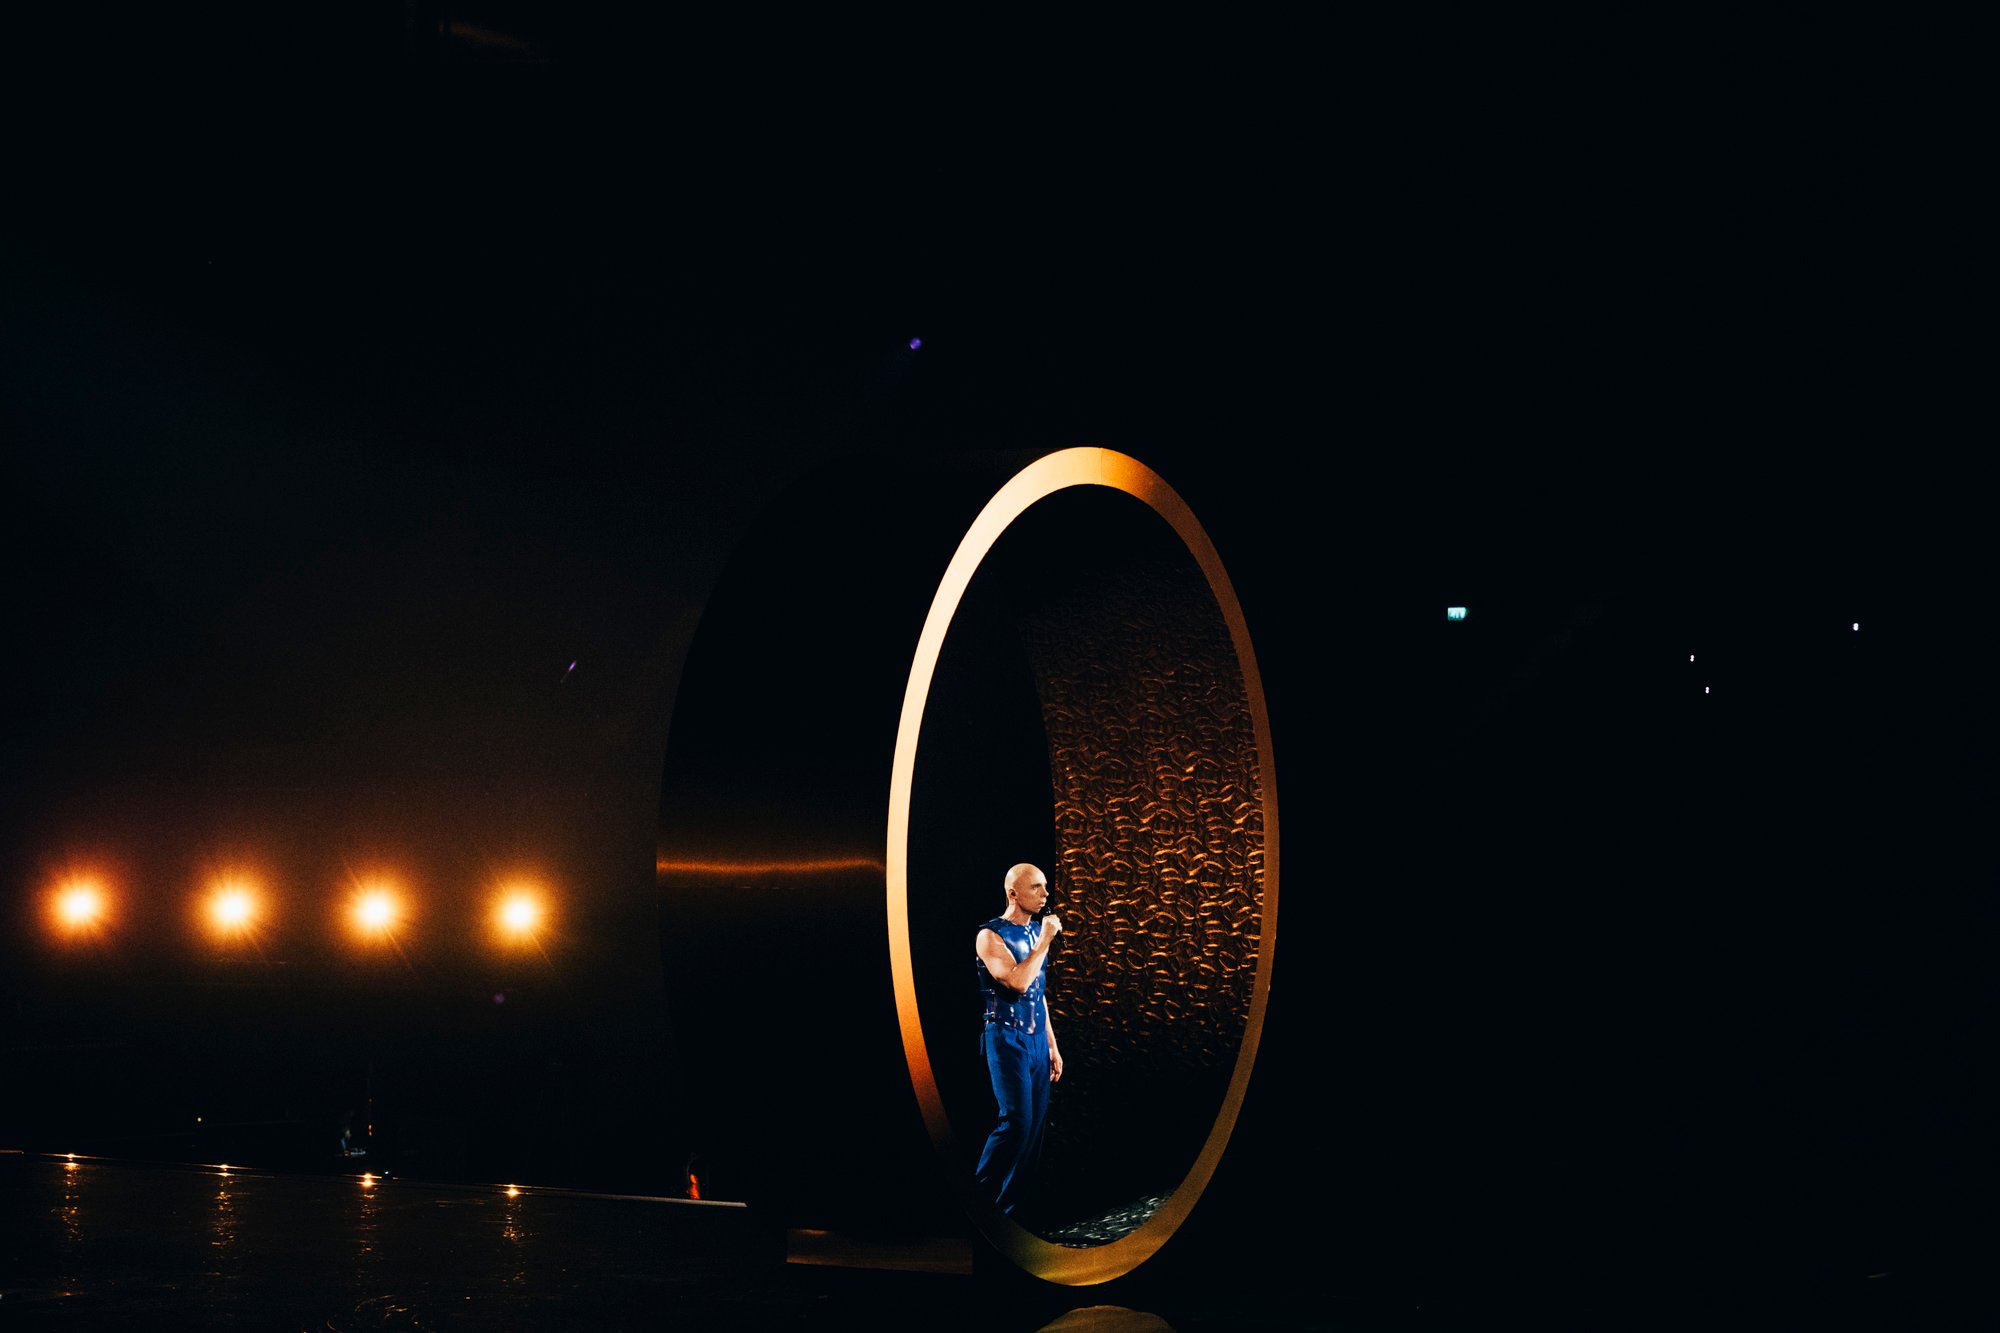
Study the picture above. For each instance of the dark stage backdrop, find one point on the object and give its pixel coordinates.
(1594, 960)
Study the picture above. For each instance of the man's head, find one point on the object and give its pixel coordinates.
(1027, 887)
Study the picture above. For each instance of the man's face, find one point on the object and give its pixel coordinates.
(1031, 894)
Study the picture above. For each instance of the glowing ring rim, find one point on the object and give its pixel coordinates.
(1065, 468)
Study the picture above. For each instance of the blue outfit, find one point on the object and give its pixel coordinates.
(1016, 1043)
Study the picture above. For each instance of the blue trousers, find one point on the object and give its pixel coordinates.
(1018, 1062)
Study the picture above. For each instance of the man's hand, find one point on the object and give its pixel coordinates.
(1055, 1066)
(1051, 926)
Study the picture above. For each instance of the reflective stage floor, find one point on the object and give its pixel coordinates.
(90, 1243)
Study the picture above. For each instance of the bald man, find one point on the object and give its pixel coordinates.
(1022, 1057)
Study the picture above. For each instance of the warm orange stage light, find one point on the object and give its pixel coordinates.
(231, 909)
(376, 911)
(80, 905)
(519, 913)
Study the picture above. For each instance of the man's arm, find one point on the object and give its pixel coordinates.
(999, 959)
(1055, 1052)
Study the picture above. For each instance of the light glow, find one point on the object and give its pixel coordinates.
(376, 911)
(725, 870)
(80, 905)
(520, 911)
(232, 908)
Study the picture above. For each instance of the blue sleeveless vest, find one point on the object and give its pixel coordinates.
(1024, 1011)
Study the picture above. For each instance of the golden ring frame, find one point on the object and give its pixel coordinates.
(1063, 1264)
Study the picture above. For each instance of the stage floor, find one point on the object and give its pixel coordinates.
(91, 1243)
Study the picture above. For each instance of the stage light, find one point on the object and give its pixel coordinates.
(376, 911)
(80, 905)
(1454, 613)
(231, 909)
(520, 914)
(1857, 625)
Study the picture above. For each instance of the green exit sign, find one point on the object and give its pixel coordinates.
(1454, 613)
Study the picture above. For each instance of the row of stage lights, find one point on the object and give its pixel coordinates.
(367, 1180)
(234, 911)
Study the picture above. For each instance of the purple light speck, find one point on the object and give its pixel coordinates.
(915, 343)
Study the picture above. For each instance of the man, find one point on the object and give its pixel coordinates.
(1022, 1057)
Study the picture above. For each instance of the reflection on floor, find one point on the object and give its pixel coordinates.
(1106, 1227)
(1106, 1319)
(911, 1254)
(91, 1243)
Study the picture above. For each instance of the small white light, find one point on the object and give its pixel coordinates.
(1690, 657)
(1857, 624)
(1704, 689)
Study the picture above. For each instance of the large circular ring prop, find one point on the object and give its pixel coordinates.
(1068, 1262)
(906, 681)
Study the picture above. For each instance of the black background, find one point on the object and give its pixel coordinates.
(358, 382)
